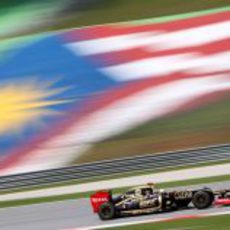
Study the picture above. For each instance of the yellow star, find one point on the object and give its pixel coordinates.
(22, 104)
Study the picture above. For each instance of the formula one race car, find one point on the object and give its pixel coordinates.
(148, 199)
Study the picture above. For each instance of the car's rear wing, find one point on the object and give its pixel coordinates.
(100, 197)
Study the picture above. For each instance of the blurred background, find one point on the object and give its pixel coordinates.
(88, 80)
(30, 16)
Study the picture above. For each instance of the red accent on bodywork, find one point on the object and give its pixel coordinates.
(223, 201)
(99, 198)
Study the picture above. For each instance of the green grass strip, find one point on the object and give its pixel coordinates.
(126, 10)
(179, 16)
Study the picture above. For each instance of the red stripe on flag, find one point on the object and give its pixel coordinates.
(103, 31)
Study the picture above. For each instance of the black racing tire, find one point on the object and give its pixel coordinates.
(106, 211)
(202, 199)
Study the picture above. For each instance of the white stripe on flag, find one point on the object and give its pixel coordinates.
(151, 67)
(192, 37)
(115, 43)
(155, 40)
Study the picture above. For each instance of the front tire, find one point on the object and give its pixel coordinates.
(106, 211)
(202, 199)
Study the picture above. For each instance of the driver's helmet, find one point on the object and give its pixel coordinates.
(153, 185)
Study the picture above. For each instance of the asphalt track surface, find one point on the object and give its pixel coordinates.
(77, 213)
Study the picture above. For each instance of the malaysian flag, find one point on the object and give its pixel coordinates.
(75, 88)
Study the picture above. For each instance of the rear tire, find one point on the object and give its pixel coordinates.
(106, 211)
(202, 199)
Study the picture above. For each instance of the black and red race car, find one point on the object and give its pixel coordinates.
(148, 199)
